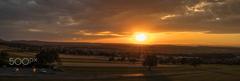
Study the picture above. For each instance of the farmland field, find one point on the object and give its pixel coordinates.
(96, 68)
(161, 73)
(99, 68)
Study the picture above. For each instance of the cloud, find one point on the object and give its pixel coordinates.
(98, 34)
(168, 16)
(62, 17)
(34, 30)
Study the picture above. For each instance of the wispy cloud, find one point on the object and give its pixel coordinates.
(168, 16)
(103, 33)
(34, 30)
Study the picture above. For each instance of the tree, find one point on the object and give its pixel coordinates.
(111, 58)
(132, 60)
(47, 58)
(3, 58)
(150, 62)
(195, 62)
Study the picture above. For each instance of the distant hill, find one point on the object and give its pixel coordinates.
(44, 43)
(159, 49)
(1, 40)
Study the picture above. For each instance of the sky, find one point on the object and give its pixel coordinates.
(190, 22)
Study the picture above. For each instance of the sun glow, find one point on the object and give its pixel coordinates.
(141, 37)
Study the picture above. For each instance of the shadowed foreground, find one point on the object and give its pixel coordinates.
(162, 73)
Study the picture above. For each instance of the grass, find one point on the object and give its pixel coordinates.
(75, 60)
(162, 73)
(72, 60)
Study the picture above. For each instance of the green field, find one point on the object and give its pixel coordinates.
(161, 73)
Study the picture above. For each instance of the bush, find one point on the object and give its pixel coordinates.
(150, 61)
(46, 58)
(3, 58)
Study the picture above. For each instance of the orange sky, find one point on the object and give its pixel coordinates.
(181, 38)
(184, 22)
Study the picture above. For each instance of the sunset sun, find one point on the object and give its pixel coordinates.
(141, 37)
